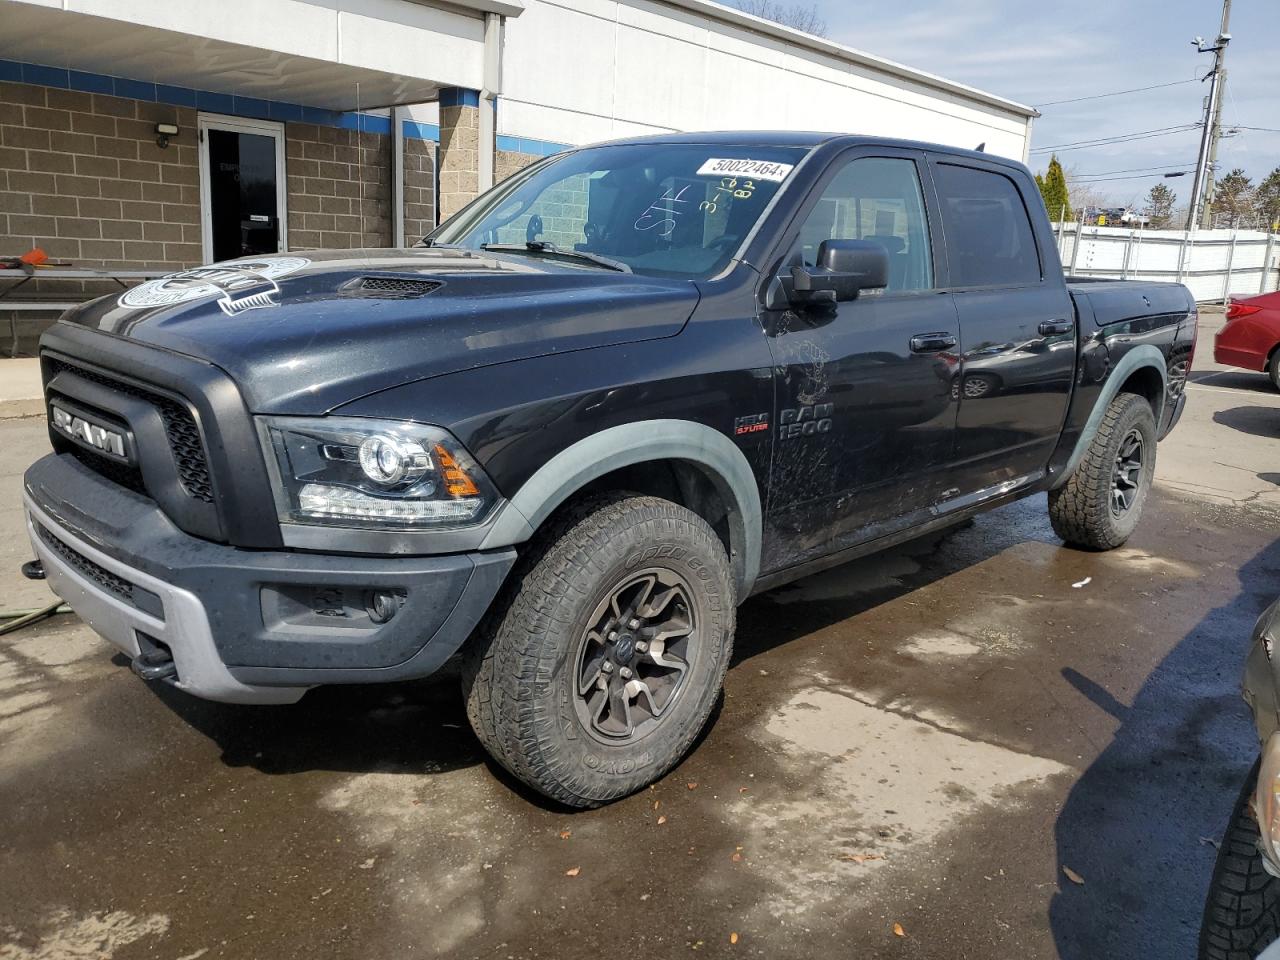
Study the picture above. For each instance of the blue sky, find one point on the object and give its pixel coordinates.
(1037, 52)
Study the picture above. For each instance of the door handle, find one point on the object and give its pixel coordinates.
(1050, 328)
(932, 342)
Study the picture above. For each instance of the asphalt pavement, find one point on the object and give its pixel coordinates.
(981, 744)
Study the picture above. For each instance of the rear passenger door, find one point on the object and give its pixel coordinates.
(1017, 328)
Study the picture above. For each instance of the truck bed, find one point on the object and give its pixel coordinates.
(1120, 301)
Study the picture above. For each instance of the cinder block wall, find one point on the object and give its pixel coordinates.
(339, 187)
(82, 177)
(507, 162)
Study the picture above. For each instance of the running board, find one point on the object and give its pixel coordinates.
(967, 500)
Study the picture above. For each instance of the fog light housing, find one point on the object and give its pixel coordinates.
(382, 605)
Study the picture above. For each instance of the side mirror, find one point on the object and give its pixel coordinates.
(845, 268)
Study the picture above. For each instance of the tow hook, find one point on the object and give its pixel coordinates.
(154, 665)
(33, 570)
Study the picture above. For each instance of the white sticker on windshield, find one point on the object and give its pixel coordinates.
(760, 169)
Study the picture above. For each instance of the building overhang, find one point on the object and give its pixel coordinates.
(332, 54)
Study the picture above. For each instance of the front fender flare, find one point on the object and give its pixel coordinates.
(631, 443)
(1143, 355)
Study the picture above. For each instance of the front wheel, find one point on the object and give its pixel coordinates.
(1100, 504)
(601, 663)
(1242, 911)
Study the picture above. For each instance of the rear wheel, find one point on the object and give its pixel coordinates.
(1100, 504)
(1273, 368)
(601, 664)
(1242, 911)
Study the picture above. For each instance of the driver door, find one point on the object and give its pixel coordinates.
(866, 412)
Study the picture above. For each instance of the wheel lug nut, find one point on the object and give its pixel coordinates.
(625, 673)
(634, 623)
(641, 647)
(613, 635)
(606, 667)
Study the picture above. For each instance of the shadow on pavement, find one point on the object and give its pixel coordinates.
(1255, 421)
(1137, 823)
(1234, 380)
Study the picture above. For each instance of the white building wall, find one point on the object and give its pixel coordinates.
(579, 71)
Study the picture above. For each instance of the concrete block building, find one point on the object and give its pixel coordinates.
(160, 134)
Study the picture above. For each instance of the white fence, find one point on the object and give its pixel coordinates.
(1214, 264)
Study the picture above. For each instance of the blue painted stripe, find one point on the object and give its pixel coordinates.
(11, 71)
(420, 131)
(251, 107)
(459, 97)
(91, 82)
(46, 76)
(134, 89)
(217, 102)
(179, 96)
(540, 148)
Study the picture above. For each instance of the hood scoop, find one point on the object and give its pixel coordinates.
(390, 288)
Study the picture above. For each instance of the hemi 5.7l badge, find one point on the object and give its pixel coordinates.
(756, 423)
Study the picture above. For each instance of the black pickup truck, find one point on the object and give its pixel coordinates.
(572, 430)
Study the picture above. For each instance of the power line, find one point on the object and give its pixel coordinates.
(1139, 176)
(1107, 173)
(1240, 126)
(1119, 138)
(1116, 93)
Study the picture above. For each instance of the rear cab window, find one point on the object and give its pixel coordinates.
(990, 241)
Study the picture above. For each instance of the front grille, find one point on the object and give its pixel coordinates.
(179, 426)
(395, 286)
(100, 575)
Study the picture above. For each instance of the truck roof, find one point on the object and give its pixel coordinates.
(801, 138)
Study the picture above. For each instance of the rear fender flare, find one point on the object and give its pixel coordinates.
(631, 443)
(1143, 355)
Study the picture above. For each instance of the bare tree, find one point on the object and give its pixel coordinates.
(1083, 193)
(794, 15)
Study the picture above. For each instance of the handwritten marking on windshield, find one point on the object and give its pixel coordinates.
(649, 220)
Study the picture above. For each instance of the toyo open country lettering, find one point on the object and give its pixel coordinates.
(567, 434)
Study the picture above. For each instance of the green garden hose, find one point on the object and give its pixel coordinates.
(17, 619)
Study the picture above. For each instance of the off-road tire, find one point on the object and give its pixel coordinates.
(1242, 911)
(518, 671)
(1273, 368)
(1080, 509)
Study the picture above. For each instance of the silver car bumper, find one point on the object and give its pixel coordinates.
(184, 628)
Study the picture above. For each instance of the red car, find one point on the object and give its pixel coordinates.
(1251, 336)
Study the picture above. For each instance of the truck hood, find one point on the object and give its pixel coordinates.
(302, 334)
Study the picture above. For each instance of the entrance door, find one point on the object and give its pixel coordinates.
(242, 187)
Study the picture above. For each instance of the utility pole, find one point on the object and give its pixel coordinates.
(1212, 119)
(1220, 68)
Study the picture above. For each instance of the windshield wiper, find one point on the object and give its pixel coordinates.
(546, 246)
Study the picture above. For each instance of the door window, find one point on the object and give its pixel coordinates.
(877, 199)
(989, 236)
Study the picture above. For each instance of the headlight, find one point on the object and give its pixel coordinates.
(354, 472)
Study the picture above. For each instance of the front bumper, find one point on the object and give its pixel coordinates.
(245, 626)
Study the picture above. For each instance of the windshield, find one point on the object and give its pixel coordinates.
(673, 210)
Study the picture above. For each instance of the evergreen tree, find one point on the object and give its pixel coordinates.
(1053, 189)
(1232, 199)
(1267, 199)
(1160, 206)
